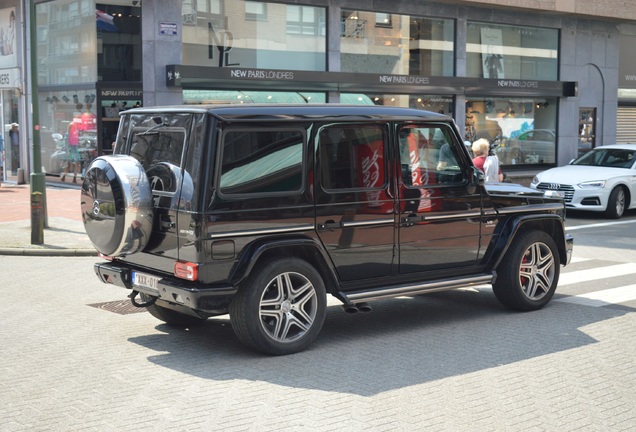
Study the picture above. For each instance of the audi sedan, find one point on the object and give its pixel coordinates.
(602, 180)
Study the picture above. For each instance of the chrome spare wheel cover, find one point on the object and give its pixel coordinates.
(536, 272)
(116, 203)
(288, 307)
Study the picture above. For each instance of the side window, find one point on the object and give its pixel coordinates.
(261, 161)
(352, 157)
(428, 156)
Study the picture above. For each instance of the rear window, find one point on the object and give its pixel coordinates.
(157, 142)
(151, 147)
(154, 138)
(262, 161)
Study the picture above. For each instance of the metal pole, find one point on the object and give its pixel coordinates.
(37, 177)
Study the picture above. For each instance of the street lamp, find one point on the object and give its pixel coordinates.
(38, 186)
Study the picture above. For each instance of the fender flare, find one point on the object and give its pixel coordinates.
(513, 226)
(305, 247)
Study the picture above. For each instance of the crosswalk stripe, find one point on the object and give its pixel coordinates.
(596, 273)
(603, 298)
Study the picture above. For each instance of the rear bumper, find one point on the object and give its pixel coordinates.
(169, 289)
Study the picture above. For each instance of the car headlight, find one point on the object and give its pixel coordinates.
(595, 184)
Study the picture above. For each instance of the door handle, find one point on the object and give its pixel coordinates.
(329, 225)
(411, 219)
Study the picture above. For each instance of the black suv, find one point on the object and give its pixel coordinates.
(260, 211)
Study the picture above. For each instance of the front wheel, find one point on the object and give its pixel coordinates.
(280, 308)
(616, 203)
(528, 275)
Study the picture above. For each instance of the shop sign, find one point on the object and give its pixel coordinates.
(121, 93)
(518, 84)
(262, 74)
(168, 29)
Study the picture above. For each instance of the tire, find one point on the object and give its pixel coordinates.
(116, 204)
(280, 308)
(528, 275)
(170, 316)
(163, 177)
(616, 203)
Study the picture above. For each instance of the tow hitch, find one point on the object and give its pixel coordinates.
(133, 295)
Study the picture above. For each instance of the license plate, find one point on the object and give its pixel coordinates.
(145, 280)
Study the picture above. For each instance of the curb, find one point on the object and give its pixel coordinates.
(48, 252)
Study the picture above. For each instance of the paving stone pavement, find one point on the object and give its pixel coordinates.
(453, 361)
(63, 236)
(77, 357)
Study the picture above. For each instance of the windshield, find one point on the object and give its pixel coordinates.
(614, 158)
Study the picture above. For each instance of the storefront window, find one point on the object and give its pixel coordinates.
(434, 103)
(69, 133)
(523, 130)
(252, 34)
(396, 44)
(511, 52)
(199, 97)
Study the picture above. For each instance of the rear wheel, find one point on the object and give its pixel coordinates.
(616, 203)
(528, 275)
(280, 308)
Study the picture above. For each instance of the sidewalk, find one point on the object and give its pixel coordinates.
(65, 234)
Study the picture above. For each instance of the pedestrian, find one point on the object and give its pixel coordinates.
(14, 139)
(489, 165)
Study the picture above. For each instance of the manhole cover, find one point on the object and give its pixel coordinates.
(122, 307)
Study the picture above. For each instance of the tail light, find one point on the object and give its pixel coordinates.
(186, 270)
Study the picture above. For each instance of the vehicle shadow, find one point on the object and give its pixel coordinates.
(403, 342)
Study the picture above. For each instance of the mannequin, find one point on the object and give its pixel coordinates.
(73, 155)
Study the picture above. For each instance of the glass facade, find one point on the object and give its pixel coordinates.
(67, 39)
(84, 43)
(511, 52)
(522, 129)
(396, 44)
(252, 34)
(89, 47)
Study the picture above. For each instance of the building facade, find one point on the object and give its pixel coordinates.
(539, 78)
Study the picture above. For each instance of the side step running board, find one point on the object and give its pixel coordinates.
(421, 288)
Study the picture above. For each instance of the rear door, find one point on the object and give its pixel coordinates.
(439, 215)
(354, 206)
(159, 143)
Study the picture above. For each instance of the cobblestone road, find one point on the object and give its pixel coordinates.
(453, 361)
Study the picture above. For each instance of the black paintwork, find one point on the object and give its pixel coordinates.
(363, 251)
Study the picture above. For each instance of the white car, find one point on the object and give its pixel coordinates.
(602, 180)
